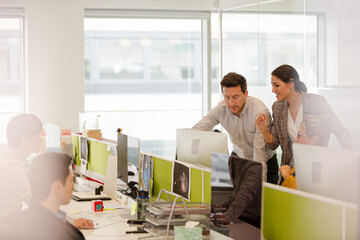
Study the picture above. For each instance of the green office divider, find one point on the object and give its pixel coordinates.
(351, 223)
(163, 179)
(98, 157)
(287, 215)
(207, 187)
(162, 176)
(98, 154)
(196, 185)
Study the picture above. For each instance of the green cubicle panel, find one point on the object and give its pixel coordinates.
(196, 185)
(163, 179)
(290, 214)
(98, 154)
(98, 157)
(351, 223)
(207, 187)
(162, 176)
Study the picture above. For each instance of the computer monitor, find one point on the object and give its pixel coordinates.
(220, 170)
(325, 171)
(84, 149)
(196, 147)
(128, 151)
(53, 137)
(146, 166)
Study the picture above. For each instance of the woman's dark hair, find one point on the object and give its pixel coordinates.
(287, 73)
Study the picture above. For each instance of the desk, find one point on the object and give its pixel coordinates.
(238, 231)
(244, 231)
(111, 224)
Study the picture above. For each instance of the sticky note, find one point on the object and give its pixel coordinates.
(133, 208)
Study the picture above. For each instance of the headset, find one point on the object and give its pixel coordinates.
(132, 190)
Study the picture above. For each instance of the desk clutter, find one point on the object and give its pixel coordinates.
(177, 219)
(183, 189)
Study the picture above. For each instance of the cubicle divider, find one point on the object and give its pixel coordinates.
(99, 151)
(293, 214)
(200, 188)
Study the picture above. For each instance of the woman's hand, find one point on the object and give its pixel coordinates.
(261, 122)
(285, 171)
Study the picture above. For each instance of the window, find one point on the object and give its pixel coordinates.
(260, 42)
(145, 74)
(11, 66)
(255, 43)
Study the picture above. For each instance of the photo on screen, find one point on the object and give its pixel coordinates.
(146, 172)
(181, 180)
(84, 149)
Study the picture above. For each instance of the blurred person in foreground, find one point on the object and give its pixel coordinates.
(51, 183)
(24, 139)
(311, 132)
(23, 135)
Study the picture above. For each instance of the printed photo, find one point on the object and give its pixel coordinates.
(181, 180)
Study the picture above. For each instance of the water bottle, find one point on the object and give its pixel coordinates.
(142, 199)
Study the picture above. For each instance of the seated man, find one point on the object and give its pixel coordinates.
(23, 136)
(311, 132)
(51, 183)
(244, 203)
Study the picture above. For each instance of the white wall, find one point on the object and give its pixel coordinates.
(55, 51)
(55, 60)
(55, 56)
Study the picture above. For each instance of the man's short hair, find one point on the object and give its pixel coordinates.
(45, 170)
(233, 80)
(23, 125)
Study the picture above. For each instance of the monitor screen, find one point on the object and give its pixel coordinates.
(146, 172)
(53, 137)
(220, 170)
(325, 171)
(84, 149)
(128, 152)
(196, 147)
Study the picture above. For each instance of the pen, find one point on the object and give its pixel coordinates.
(110, 209)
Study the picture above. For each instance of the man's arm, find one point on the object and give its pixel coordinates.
(250, 187)
(226, 203)
(209, 121)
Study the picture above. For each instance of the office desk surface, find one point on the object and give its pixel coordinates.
(244, 231)
(108, 224)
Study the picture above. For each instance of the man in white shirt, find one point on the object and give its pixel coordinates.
(23, 135)
(237, 114)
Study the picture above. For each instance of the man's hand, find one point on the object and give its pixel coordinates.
(83, 223)
(220, 219)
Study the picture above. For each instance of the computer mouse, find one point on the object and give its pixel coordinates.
(130, 173)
